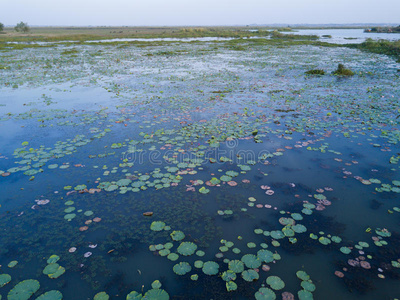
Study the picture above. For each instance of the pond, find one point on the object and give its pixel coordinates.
(346, 36)
(197, 171)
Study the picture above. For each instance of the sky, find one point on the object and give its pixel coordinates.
(204, 12)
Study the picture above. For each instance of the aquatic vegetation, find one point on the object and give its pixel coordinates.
(315, 72)
(4, 279)
(342, 71)
(52, 295)
(24, 290)
(187, 248)
(210, 268)
(182, 268)
(250, 162)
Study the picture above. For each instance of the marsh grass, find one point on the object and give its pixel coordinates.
(342, 71)
(278, 35)
(391, 48)
(71, 51)
(315, 72)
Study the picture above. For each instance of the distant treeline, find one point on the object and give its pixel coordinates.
(384, 29)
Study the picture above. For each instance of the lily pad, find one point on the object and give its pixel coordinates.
(24, 290)
(101, 296)
(177, 235)
(265, 294)
(156, 294)
(187, 248)
(210, 268)
(308, 286)
(182, 268)
(265, 255)
(305, 295)
(228, 275)
(157, 226)
(302, 275)
(275, 282)
(134, 296)
(236, 266)
(231, 286)
(251, 261)
(4, 279)
(250, 275)
(51, 295)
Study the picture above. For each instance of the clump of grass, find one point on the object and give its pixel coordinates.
(315, 72)
(342, 71)
(67, 52)
(278, 35)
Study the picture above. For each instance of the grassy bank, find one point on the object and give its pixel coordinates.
(49, 34)
(381, 47)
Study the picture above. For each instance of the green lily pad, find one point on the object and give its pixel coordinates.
(58, 273)
(251, 261)
(69, 216)
(277, 234)
(156, 294)
(305, 295)
(182, 268)
(157, 226)
(302, 275)
(53, 259)
(51, 295)
(228, 275)
(275, 282)
(203, 190)
(194, 277)
(177, 235)
(4, 279)
(51, 268)
(298, 228)
(210, 268)
(12, 264)
(187, 248)
(236, 266)
(173, 256)
(134, 296)
(345, 250)
(24, 290)
(308, 286)
(101, 296)
(231, 286)
(265, 294)
(156, 284)
(250, 275)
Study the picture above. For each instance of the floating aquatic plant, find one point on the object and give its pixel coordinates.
(187, 248)
(251, 261)
(52, 295)
(236, 266)
(182, 268)
(275, 282)
(24, 290)
(250, 275)
(157, 225)
(101, 296)
(4, 279)
(265, 294)
(210, 268)
(177, 235)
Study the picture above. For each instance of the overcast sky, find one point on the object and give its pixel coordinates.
(204, 12)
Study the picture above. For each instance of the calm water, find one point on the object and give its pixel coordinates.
(347, 36)
(232, 148)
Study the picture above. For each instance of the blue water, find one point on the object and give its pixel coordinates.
(205, 101)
